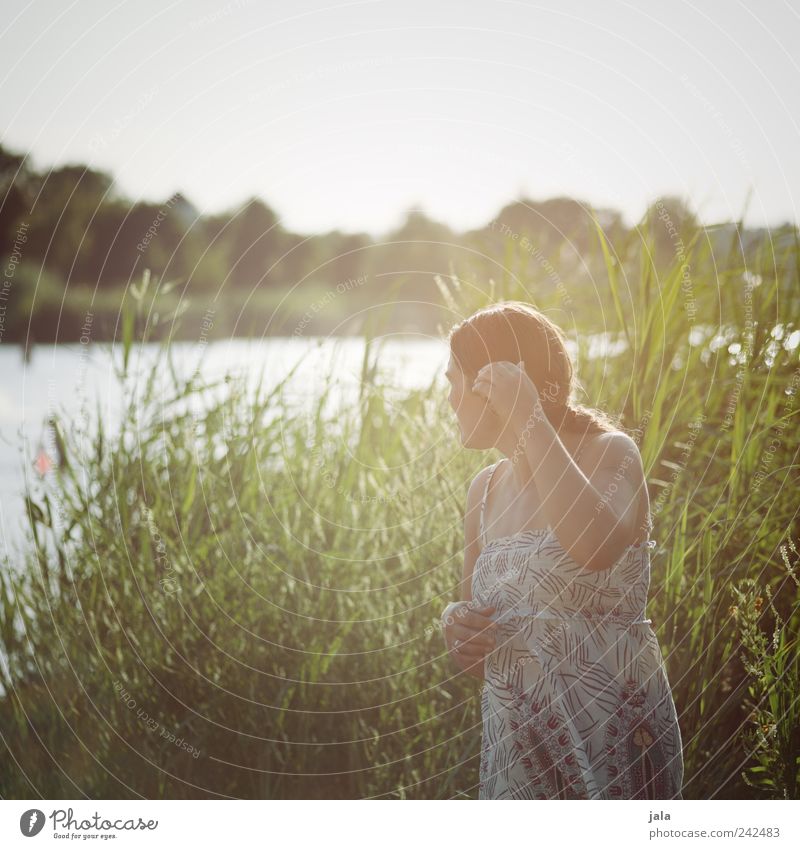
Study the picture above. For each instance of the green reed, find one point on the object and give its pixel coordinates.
(244, 601)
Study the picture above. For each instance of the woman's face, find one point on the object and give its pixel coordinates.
(477, 421)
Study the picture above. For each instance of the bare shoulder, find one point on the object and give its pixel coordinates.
(611, 449)
(613, 464)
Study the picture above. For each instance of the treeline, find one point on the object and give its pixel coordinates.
(72, 243)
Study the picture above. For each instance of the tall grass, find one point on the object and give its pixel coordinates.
(242, 601)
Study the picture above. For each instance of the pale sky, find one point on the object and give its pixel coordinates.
(343, 115)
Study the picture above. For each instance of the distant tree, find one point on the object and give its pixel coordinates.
(124, 239)
(206, 252)
(670, 222)
(65, 203)
(13, 166)
(546, 224)
(301, 258)
(104, 260)
(566, 219)
(415, 252)
(418, 227)
(212, 228)
(15, 193)
(340, 256)
(255, 240)
(183, 210)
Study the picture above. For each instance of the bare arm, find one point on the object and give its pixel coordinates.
(462, 620)
(596, 514)
(472, 541)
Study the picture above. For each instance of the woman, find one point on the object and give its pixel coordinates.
(576, 701)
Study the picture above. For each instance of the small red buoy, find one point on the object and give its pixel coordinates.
(42, 463)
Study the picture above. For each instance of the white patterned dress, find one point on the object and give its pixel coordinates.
(576, 703)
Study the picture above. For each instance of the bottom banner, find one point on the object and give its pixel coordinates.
(385, 823)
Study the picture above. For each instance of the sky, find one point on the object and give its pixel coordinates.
(345, 115)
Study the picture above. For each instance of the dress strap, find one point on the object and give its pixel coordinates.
(483, 502)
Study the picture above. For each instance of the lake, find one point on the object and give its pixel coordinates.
(78, 383)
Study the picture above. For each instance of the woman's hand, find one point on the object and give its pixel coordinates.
(469, 635)
(509, 392)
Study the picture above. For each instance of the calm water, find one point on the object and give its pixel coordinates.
(78, 383)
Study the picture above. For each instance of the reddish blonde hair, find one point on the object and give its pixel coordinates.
(514, 331)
